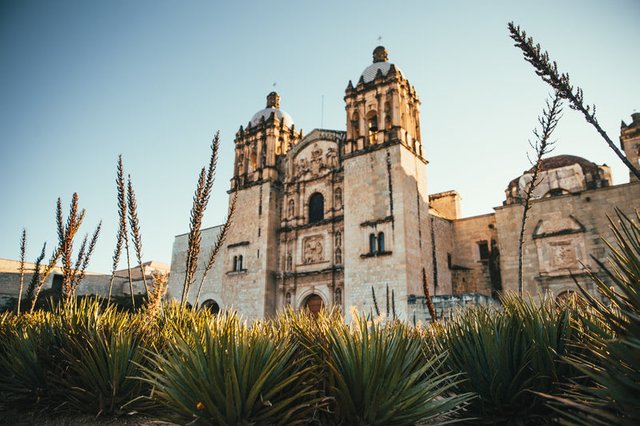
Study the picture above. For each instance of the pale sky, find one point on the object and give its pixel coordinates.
(82, 82)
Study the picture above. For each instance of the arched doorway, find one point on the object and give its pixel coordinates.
(313, 303)
(211, 305)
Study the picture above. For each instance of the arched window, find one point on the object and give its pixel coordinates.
(372, 121)
(372, 243)
(289, 262)
(381, 242)
(387, 116)
(338, 256)
(235, 263)
(254, 161)
(241, 164)
(316, 208)
(338, 236)
(355, 125)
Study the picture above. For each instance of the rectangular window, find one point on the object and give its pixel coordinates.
(483, 248)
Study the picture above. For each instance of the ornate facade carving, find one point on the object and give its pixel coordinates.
(312, 249)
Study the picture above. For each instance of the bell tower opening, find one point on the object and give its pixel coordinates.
(382, 108)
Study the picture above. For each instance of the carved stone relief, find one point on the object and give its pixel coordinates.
(317, 163)
(563, 255)
(312, 249)
(560, 255)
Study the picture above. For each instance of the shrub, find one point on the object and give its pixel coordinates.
(226, 373)
(509, 354)
(378, 375)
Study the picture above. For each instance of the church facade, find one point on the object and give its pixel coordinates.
(336, 218)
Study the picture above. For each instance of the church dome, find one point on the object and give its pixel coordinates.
(380, 63)
(592, 176)
(273, 107)
(588, 167)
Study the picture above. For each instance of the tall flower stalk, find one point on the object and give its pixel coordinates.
(200, 201)
(542, 146)
(136, 236)
(548, 71)
(23, 248)
(215, 250)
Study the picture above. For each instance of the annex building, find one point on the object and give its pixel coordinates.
(323, 218)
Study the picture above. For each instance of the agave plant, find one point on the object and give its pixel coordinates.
(229, 374)
(508, 355)
(98, 359)
(612, 338)
(380, 376)
(25, 360)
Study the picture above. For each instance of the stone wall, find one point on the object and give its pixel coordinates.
(562, 234)
(472, 272)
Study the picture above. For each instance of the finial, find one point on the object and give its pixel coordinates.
(380, 54)
(273, 100)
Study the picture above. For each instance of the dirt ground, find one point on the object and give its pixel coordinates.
(38, 419)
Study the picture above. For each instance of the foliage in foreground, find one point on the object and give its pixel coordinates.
(611, 357)
(508, 354)
(226, 374)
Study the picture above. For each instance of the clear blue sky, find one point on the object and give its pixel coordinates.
(83, 81)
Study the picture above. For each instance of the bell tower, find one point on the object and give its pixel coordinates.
(268, 135)
(387, 228)
(249, 259)
(382, 109)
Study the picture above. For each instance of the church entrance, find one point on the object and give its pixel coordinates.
(314, 304)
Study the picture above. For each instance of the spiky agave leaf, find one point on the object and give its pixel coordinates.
(25, 360)
(99, 370)
(379, 376)
(228, 374)
(508, 355)
(612, 339)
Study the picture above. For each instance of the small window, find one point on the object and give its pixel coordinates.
(338, 296)
(380, 242)
(238, 263)
(235, 263)
(372, 243)
(449, 263)
(338, 256)
(316, 208)
(287, 298)
(555, 192)
(483, 248)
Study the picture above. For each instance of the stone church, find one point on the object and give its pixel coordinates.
(333, 217)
